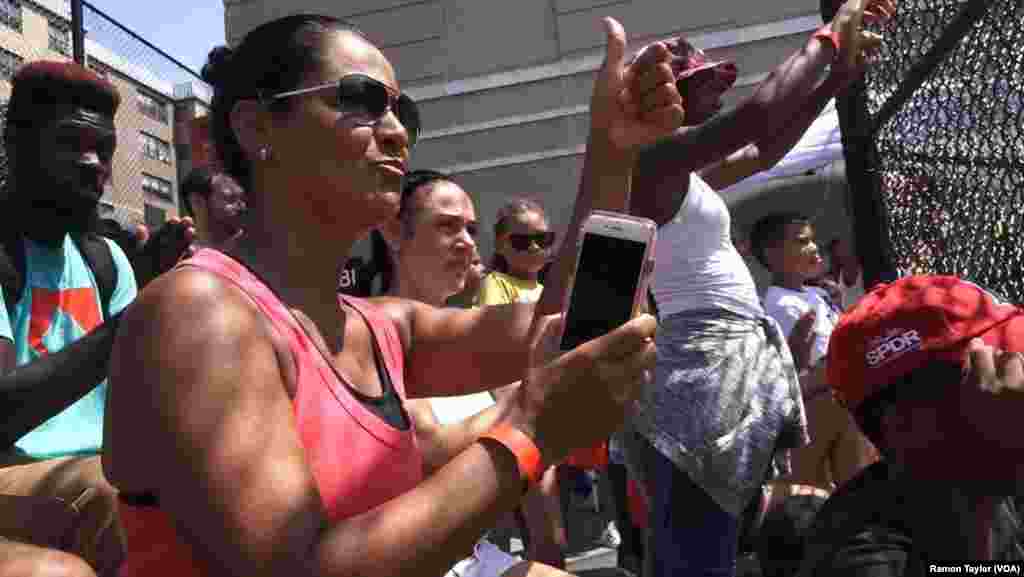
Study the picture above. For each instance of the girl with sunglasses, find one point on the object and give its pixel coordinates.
(522, 247)
(256, 422)
(523, 243)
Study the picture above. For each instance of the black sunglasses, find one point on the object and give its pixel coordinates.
(368, 100)
(522, 242)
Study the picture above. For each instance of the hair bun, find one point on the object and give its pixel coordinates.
(217, 67)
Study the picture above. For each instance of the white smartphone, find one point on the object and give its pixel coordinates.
(613, 268)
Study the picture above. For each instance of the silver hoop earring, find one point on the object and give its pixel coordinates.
(264, 153)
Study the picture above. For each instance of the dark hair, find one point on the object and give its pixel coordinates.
(272, 58)
(39, 87)
(513, 207)
(410, 184)
(199, 181)
(770, 230)
(381, 262)
(781, 542)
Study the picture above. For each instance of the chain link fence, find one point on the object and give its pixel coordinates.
(161, 99)
(937, 135)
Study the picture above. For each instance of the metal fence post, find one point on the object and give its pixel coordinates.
(77, 32)
(870, 222)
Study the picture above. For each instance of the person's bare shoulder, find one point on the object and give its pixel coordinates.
(207, 304)
(183, 337)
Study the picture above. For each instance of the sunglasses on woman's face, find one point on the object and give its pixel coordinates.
(523, 242)
(367, 101)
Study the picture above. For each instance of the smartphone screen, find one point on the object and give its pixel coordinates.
(602, 295)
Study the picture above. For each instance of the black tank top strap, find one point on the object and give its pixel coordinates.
(389, 405)
(139, 499)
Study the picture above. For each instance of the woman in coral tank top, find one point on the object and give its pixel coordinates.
(256, 424)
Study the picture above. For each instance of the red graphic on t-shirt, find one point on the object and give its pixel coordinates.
(79, 304)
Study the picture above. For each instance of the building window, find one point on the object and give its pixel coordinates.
(60, 37)
(155, 216)
(10, 14)
(9, 63)
(152, 107)
(157, 187)
(155, 148)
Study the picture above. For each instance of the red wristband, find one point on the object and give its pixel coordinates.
(526, 451)
(828, 34)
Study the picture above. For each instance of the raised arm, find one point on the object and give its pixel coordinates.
(773, 144)
(453, 352)
(633, 105)
(768, 150)
(662, 174)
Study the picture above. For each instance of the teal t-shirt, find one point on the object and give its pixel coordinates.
(59, 305)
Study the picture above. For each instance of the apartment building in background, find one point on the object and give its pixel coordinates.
(504, 86)
(149, 161)
(191, 126)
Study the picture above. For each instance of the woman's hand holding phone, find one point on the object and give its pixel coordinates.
(578, 398)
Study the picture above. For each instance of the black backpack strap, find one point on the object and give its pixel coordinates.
(96, 253)
(12, 272)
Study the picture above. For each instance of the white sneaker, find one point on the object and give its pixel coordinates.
(610, 537)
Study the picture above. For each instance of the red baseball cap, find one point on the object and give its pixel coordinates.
(688, 60)
(901, 326)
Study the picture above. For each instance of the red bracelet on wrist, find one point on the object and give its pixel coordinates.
(525, 450)
(829, 35)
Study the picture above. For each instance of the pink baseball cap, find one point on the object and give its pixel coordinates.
(689, 61)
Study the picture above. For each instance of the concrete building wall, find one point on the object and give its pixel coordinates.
(504, 86)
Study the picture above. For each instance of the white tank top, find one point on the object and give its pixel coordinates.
(696, 264)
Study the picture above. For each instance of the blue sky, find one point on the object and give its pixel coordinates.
(185, 29)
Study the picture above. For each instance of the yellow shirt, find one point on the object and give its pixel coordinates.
(495, 289)
(498, 288)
